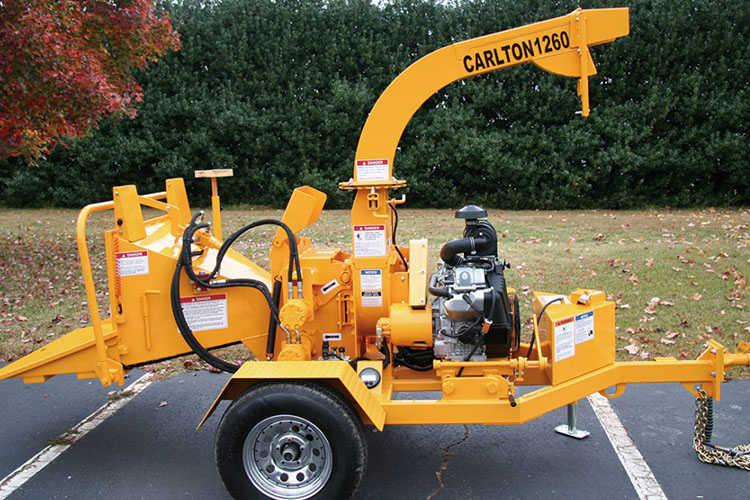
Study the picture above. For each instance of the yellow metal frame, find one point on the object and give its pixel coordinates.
(484, 405)
(107, 369)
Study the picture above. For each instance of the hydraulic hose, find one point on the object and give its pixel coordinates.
(293, 252)
(272, 323)
(185, 262)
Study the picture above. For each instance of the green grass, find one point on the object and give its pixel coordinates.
(696, 260)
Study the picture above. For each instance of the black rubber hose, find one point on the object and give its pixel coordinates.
(480, 337)
(187, 334)
(435, 290)
(272, 323)
(427, 355)
(449, 252)
(539, 318)
(393, 235)
(293, 253)
(185, 262)
(387, 353)
(416, 368)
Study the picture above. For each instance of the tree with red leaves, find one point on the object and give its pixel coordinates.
(65, 64)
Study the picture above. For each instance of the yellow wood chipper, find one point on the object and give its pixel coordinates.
(338, 332)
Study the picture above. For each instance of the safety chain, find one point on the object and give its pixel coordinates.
(739, 456)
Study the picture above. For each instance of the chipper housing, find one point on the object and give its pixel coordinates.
(337, 332)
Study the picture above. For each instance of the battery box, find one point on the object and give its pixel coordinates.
(577, 333)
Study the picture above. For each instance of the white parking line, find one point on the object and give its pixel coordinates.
(18, 477)
(638, 471)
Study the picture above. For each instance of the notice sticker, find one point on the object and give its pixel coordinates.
(369, 241)
(372, 170)
(331, 337)
(372, 299)
(371, 279)
(132, 263)
(584, 327)
(565, 346)
(329, 287)
(205, 312)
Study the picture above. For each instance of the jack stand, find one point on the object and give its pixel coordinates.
(571, 429)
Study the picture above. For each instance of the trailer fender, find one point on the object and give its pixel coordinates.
(337, 374)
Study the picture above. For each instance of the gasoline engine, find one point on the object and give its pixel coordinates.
(473, 316)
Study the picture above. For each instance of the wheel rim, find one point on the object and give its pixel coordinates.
(287, 457)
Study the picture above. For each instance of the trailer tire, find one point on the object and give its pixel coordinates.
(291, 440)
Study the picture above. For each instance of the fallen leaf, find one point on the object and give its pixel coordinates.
(632, 349)
(697, 296)
(668, 341)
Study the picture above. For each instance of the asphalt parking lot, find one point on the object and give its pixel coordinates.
(150, 450)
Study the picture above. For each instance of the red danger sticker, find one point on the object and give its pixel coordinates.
(205, 312)
(372, 170)
(203, 298)
(131, 263)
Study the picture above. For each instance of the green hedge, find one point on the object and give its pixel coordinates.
(279, 91)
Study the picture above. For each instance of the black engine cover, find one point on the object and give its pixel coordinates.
(499, 339)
